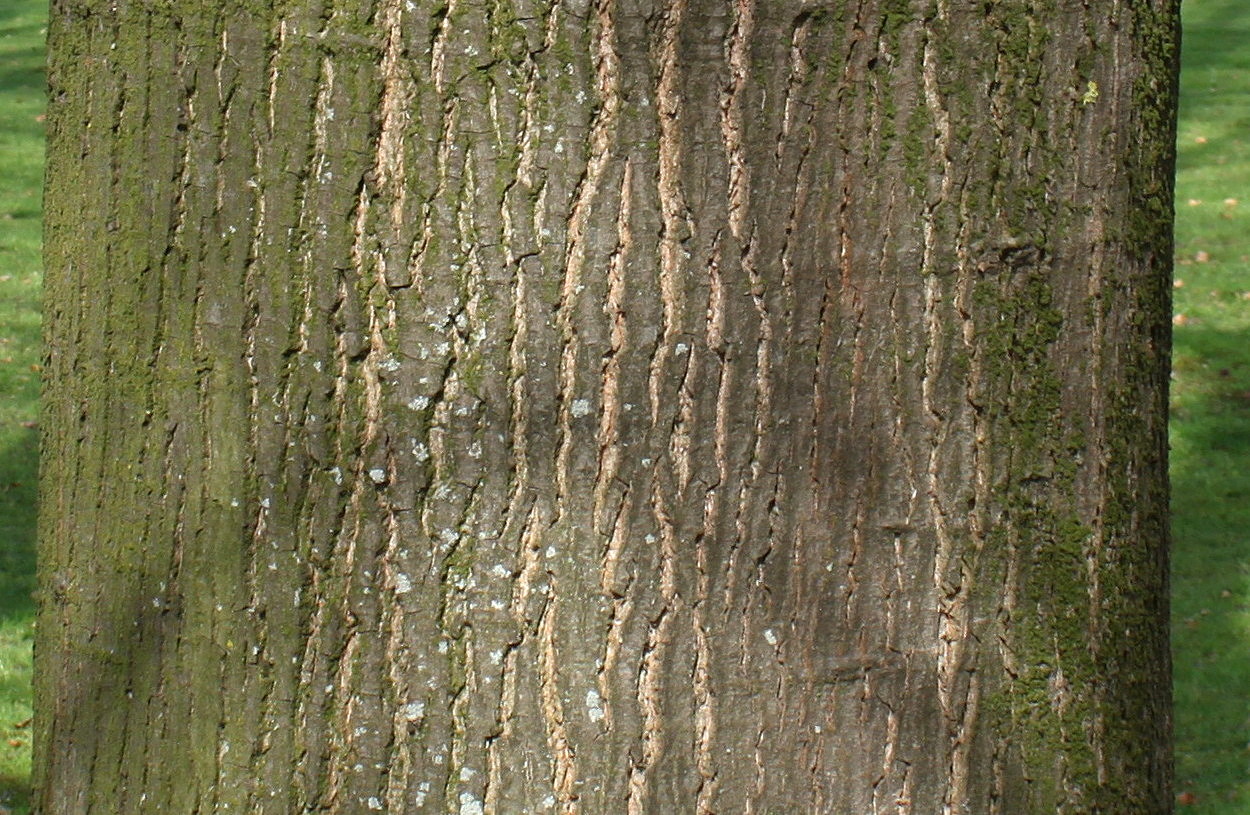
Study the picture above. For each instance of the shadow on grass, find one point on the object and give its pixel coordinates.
(19, 467)
(23, 92)
(14, 794)
(22, 69)
(1221, 44)
(1211, 566)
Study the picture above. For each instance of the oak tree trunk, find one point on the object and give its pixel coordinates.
(606, 406)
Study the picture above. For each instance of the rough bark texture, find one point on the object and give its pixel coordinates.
(613, 406)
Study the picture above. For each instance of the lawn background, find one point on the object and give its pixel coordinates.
(21, 168)
(1210, 401)
(1211, 414)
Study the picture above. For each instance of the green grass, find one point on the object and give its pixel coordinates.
(1211, 401)
(1211, 414)
(21, 168)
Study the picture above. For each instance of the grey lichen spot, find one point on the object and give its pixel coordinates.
(378, 475)
(580, 408)
(469, 805)
(594, 705)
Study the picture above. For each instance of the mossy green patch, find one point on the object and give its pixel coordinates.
(1049, 625)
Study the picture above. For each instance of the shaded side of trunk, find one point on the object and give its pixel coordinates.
(606, 407)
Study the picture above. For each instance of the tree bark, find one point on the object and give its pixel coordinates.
(613, 406)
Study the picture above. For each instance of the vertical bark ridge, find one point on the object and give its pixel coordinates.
(952, 594)
(672, 205)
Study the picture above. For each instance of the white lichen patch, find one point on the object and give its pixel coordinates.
(377, 475)
(469, 805)
(594, 705)
(403, 584)
(770, 636)
(413, 711)
(580, 408)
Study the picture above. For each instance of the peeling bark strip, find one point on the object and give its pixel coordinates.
(606, 406)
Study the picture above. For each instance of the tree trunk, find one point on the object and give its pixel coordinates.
(521, 406)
